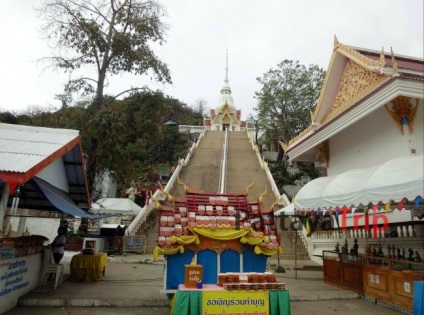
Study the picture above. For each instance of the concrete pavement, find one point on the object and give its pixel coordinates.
(132, 284)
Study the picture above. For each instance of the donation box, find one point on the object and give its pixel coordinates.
(193, 275)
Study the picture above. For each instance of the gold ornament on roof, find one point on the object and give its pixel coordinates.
(382, 58)
(403, 112)
(324, 152)
(250, 187)
(394, 62)
(355, 83)
(284, 146)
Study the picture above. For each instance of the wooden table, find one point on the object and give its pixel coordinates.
(88, 267)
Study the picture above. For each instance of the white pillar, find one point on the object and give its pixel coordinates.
(22, 222)
(3, 205)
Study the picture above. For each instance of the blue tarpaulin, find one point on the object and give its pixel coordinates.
(61, 200)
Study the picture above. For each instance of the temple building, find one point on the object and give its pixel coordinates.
(225, 115)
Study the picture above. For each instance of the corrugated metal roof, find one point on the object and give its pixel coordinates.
(23, 147)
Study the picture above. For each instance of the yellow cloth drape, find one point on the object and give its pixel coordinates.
(254, 240)
(167, 251)
(185, 239)
(220, 234)
(88, 267)
(266, 251)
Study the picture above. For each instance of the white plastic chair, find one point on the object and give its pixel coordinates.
(49, 267)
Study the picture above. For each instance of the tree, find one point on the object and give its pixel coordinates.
(287, 96)
(111, 35)
(201, 107)
(114, 36)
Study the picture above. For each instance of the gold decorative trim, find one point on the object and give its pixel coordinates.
(274, 204)
(284, 146)
(382, 58)
(250, 187)
(324, 152)
(185, 188)
(403, 112)
(355, 83)
(169, 197)
(356, 56)
(367, 75)
(301, 134)
(394, 62)
(261, 197)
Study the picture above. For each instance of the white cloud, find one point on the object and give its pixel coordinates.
(258, 35)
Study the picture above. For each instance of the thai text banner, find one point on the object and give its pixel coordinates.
(235, 302)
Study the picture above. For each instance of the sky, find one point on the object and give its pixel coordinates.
(258, 34)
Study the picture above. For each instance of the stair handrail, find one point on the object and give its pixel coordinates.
(222, 175)
(282, 198)
(141, 217)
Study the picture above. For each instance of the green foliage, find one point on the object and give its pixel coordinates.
(287, 96)
(131, 140)
(8, 118)
(112, 36)
(285, 101)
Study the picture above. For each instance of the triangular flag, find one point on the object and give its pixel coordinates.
(318, 211)
(387, 206)
(417, 201)
(400, 205)
(375, 207)
(308, 228)
(292, 201)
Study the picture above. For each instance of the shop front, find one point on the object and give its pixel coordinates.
(41, 175)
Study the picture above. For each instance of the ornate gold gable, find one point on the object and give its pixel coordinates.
(360, 76)
(225, 114)
(355, 83)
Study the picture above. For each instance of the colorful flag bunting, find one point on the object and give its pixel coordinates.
(417, 201)
(387, 206)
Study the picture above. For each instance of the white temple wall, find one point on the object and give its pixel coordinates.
(374, 140)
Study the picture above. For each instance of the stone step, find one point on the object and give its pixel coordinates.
(292, 257)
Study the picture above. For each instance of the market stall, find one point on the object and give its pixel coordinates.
(41, 175)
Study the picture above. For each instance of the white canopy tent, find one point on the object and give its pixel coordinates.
(113, 205)
(392, 181)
